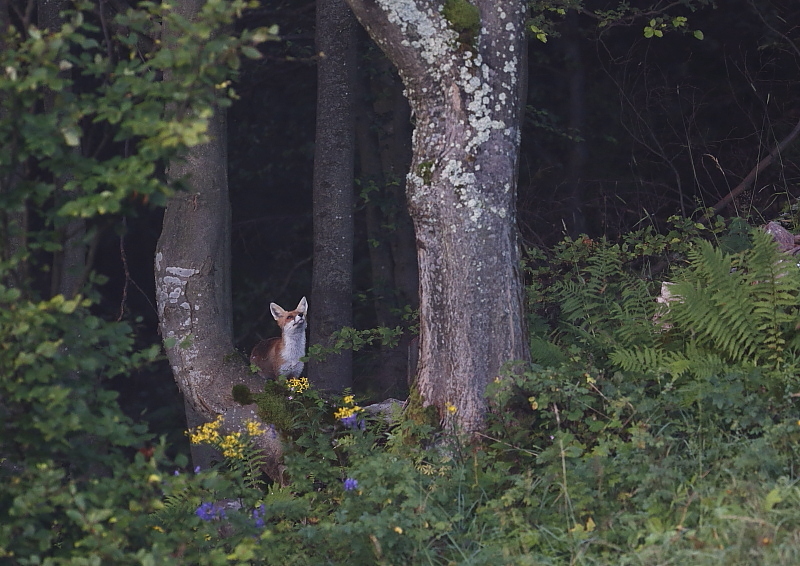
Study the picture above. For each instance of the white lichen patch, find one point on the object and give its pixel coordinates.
(171, 288)
(425, 30)
(177, 323)
(462, 88)
(181, 271)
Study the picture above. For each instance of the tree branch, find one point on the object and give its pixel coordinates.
(753, 174)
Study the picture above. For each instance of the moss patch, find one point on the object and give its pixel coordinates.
(464, 18)
(241, 394)
(274, 407)
(417, 413)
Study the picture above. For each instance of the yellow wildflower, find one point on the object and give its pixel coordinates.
(451, 408)
(398, 530)
(345, 412)
(348, 400)
(254, 428)
(206, 433)
(232, 445)
(298, 384)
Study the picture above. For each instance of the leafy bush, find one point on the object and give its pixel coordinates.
(86, 124)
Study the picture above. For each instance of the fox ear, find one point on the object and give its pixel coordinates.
(302, 306)
(276, 311)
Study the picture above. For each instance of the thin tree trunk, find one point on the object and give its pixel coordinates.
(332, 272)
(69, 264)
(394, 145)
(384, 141)
(465, 93)
(14, 214)
(389, 375)
(577, 111)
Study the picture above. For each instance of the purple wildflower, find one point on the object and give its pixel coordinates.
(258, 515)
(350, 484)
(197, 469)
(350, 421)
(209, 511)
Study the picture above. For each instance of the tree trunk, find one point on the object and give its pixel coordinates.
(14, 212)
(69, 264)
(193, 290)
(462, 78)
(332, 272)
(577, 110)
(383, 137)
(388, 377)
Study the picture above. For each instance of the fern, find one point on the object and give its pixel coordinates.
(248, 466)
(657, 359)
(743, 306)
(734, 309)
(178, 505)
(603, 303)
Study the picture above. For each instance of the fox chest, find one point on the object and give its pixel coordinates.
(291, 368)
(290, 364)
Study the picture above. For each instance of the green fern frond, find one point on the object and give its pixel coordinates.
(640, 359)
(603, 304)
(177, 506)
(249, 466)
(743, 307)
(545, 353)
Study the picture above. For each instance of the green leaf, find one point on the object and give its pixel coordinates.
(72, 136)
(772, 499)
(251, 52)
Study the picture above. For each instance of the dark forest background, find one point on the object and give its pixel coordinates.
(620, 130)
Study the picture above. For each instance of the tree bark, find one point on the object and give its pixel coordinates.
(69, 264)
(578, 155)
(383, 135)
(193, 291)
(14, 212)
(332, 272)
(462, 79)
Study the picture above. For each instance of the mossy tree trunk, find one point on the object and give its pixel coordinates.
(461, 66)
(193, 289)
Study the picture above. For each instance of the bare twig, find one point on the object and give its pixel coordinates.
(123, 256)
(753, 174)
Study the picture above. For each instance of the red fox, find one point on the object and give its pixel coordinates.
(281, 356)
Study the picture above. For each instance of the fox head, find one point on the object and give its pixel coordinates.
(290, 321)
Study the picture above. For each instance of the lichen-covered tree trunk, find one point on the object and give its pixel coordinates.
(193, 290)
(460, 63)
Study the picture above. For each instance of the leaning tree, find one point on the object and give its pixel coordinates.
(462, 66)
(192, 263)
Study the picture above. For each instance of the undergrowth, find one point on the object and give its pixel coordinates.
(640, 435)
(597, 454)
